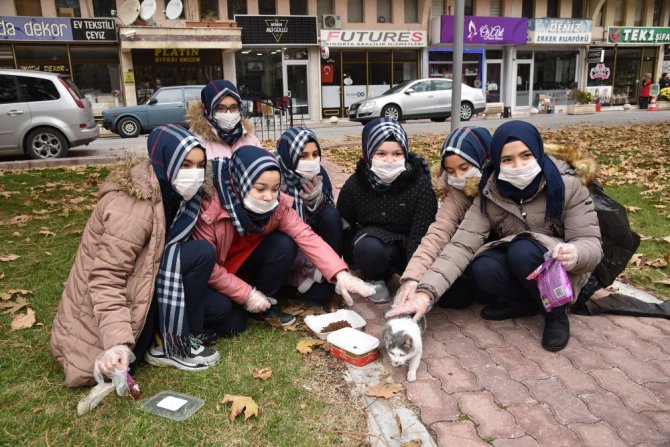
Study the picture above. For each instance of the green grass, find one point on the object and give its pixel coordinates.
(302, 404)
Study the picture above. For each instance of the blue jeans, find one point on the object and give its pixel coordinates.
(378, 260)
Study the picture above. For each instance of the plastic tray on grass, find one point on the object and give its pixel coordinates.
(353, 346)
(318, 322)
(173, 405)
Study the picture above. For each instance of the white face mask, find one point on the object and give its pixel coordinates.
(188, 182)
(388, 172)
(259, 206)
(520, 177)
(227, 120)
(459, 182)
(309, 168)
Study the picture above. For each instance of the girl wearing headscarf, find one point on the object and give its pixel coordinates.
(216, 120)
(534, 206)
(388, 204)
(463, 155)
(256, 234)
(307, 182)
(135, 272)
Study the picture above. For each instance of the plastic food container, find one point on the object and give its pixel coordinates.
(173, 405)
(318, 322)
(353, 346)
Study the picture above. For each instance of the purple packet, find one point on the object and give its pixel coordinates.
(553, 282)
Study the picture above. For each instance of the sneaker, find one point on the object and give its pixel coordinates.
(381, 294)
(273, 313)
(200, 357)
(207, 337)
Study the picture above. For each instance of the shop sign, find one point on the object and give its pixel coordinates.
(57, 29)
(595, 55)
(560, 31)
(600, 71)
(46, 68)
(277, 30)
(177, 55)
(373, 38)
(486, 30)
(638, 34)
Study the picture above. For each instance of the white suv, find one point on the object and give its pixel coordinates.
(43, 114)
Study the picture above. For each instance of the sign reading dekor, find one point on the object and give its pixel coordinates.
(638, 34)
(373, 38)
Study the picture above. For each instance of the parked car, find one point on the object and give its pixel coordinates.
(167, 105)
(422, 98)
(43, 114)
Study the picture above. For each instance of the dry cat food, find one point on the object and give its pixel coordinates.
(335, 325)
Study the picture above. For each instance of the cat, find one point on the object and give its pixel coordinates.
(402, 339)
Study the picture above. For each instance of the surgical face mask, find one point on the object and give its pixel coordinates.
(259, 206)
(520, 177)
(227, 120)
(309, 168)
(459, 182)
(388, 172)
(188, 182)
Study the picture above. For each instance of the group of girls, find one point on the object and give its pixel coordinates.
(174, 257)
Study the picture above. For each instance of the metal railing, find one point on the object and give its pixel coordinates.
(271, 117)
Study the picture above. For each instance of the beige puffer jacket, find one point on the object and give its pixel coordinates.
(111, 284)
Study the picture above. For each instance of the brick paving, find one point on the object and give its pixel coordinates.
(486, 383)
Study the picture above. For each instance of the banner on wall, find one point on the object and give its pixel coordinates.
(57, 29)
(638, 34)
(486, 30)
(560, 31)
(327, 73)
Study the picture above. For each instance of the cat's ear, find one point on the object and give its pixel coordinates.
(408, 342)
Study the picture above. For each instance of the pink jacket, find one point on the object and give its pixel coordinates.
(214, 225)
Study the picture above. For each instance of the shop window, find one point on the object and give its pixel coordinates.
(267, 7)
(528, 9)
(638, 13)
(437, 8)
(555, 70)
(384, 11)
(68, 8)
(626, 80)
(618, 12)
(577, 9)
(324, 7)
(600, 79)
(6, 56)
(208, 10)
(469, 8)
(657, 13)
(553, 7)
(298, 7)
(496, 8)
(28, 8)
(405, 66)
(49, 58)
(379, 72)
(95, 70)
(259, 73)
(103, 8)
(236, 7)
(411, 11)
(494, 54)
(354, 11)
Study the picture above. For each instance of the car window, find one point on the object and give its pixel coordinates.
(397, 88)
(170, 95)
(8, 92)
(192, 94)
(423, 86)
(441, 84)
(37, 89)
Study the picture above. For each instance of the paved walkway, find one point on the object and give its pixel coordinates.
(484, 383)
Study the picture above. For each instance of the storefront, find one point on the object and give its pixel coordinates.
(358, 64)
(85, 49)
(278, 55)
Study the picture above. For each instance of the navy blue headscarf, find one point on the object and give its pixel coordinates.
(529, 135)
(472, 144)
(211, 96)
(168, 146)
(233, 179)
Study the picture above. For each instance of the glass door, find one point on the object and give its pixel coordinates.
(295, 86)
(524, 84)
(493, 81)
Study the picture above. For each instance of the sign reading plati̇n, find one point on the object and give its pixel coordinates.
(638, 34)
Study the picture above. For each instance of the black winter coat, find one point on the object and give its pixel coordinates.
(401, 213)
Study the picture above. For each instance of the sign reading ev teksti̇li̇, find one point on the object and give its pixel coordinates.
(638, 34)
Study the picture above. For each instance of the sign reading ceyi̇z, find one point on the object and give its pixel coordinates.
(638, 34)
(277, 30)
(57, 29)
(373, 38)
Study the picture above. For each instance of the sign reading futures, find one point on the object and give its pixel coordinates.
(277, 30)
(57, 29)
(373, 38)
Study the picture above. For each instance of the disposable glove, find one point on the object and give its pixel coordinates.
(312, 192)
(567, 254)
(348, 283)
(118, 357)
(405, 292)
(257, 302)
(418, 305)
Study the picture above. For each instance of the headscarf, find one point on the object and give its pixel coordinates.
(233, 179)
(529, 135)
(375, 133)
(289, 149)
(211, 96)
(168, 147)
(472, 144)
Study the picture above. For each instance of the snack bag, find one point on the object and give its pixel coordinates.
(553, 282)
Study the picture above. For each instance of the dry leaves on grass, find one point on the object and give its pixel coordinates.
(9, 258)
(384, 390)
(640, 260)
(23, 321)
(305, 345)
(261, 373)
(413, 443)
(240, 404)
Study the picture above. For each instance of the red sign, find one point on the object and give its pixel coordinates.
(327, 73)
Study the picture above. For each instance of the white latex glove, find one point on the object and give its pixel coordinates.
(348, 283)
(257, 302)
(567, 254)
(418, 305)
(312, 191)
(405, 293)
(118, 357)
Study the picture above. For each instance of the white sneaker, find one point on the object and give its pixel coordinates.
(199, 359)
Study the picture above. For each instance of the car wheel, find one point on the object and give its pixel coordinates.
(44, 142)
(128, 127)
(466, 111)
(392, 111)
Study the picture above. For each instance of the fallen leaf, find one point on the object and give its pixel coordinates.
(7, 258)
(274, 322)
(658, 263)
(13, 307)
(660, 207)
(639, 260)
(632, 209)
(667, 239)
(20, 292)
(303, 406)
(20, 220)
(42, 211)
(398, 423)
(241, 403)
(305, 345)
(16, 234)
(2, 275)
(384, 390)
(665, 282)
(47, 233)
(4, 296)
(48, 253)
(413, 443)
(261, 373)
(23, 321)
(77, 200)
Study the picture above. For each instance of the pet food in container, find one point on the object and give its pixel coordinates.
(353, 346)
(319, 324)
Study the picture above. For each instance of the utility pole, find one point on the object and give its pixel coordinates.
(457, 67)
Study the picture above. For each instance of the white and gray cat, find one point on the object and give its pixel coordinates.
(402, 339)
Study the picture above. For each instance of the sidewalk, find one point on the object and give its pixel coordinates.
(485, 383)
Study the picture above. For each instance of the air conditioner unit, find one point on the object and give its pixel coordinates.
(331, 21)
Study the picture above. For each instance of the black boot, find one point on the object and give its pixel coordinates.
(556, 330)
